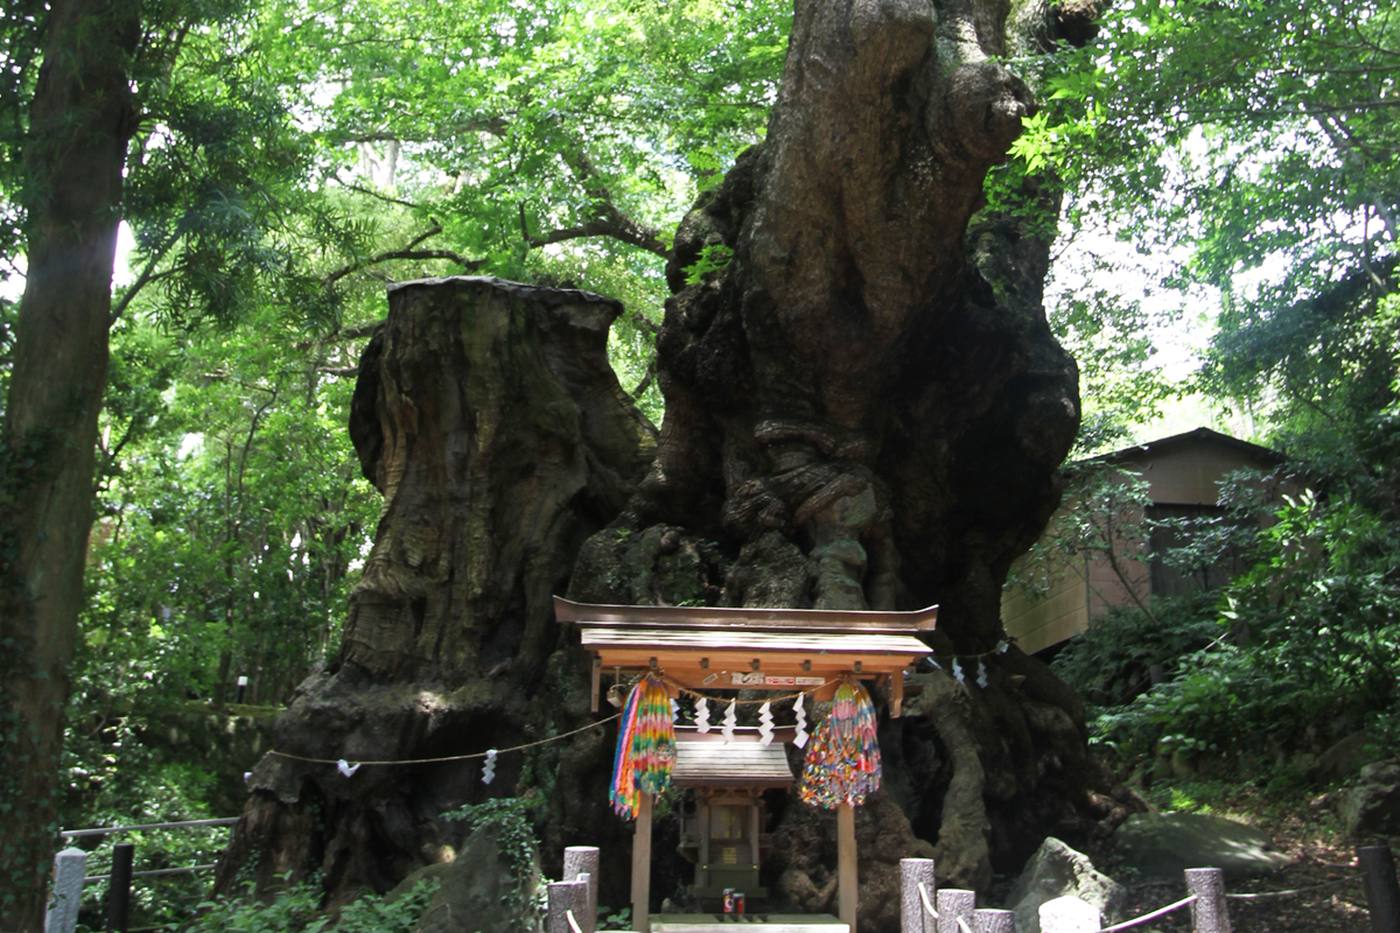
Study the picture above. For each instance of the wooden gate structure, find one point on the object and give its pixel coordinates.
(707, 649)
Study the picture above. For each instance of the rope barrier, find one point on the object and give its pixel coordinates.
(1258, 895)
(156, 873)
(141, 827)
(430, 761)
(928, 906)
(573, 922)
(1159, 912)
(962, 925)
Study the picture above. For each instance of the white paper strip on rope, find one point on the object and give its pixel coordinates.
(702, 715)
(958, 671)
(981, 673)
(346, 768)
(488, 768)
(800, 739)
(675, 711)
(731, 719)
(765, 724)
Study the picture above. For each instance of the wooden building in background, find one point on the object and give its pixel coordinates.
(1183, 473)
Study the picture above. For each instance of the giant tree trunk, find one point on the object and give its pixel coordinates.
(487, 415)
(865, 408)
(80, 121)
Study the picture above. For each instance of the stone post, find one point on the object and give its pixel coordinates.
(565, 896)
(1208, 912)
(989, 920)
(1069, 914)
(581, 862)
(67, 894)
(912, 916)
(952, 904)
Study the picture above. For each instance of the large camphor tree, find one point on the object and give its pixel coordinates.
(865, 408)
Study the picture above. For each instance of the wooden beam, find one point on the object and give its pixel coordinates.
(896, 694)
(841, 620)
(846, 864)
(641, 867)
(597, 683)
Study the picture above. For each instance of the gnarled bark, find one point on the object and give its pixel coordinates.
(487, 415)
(866, 407)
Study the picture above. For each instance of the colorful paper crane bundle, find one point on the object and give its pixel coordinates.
(646, 747)
(843, 761)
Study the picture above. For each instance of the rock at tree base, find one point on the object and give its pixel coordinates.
(1056, 870)
(1162, 845)
(480, 890)
(806, 882)
(1371, 809)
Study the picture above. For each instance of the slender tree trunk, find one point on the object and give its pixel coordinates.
(80, 121)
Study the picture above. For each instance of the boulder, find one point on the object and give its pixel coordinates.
(1371, 808)
(1162, 845)
(1057, 871)
(1343, 759)
(482, 883)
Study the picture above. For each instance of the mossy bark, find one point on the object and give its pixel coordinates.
(488, 416)
(866, 408)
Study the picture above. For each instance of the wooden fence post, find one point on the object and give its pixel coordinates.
(67, 895)
(953, 903)
(1382, 891)
(912, 871)
(1069, 914)
(988, 920)
(580, 861)
(565, 896)
(1208, 912)
(119, 887)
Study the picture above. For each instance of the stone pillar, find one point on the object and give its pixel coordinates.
(67, 893)
(578, 862)
(913, 872)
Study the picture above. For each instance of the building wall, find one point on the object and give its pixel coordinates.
(1037, 622)
(1084, 588)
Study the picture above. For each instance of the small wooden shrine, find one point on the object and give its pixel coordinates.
(723, 822)
(809, 653)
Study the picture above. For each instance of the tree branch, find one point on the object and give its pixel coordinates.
(408, 251)
(147, 276)
(610, 222)
(370, 192)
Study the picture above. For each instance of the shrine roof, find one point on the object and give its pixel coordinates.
(751, 640)
(745, 618)
(707, 760)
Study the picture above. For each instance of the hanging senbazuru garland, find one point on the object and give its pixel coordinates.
(843, 763)
(646, 747)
